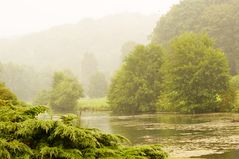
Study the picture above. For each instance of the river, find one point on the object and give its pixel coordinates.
(211, 136)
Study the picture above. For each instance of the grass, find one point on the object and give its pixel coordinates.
(96, 104)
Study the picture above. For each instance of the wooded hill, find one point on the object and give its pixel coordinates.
(64, 46)
(219, 18)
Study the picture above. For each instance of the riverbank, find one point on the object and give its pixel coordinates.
(95, 104)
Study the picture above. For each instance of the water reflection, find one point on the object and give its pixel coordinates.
(181, 135)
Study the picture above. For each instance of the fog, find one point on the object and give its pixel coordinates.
(46, 36)
(164, 74)
(25, 16)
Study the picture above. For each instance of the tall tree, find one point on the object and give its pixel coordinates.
(136, 86)
(65, 92)
(197, 78)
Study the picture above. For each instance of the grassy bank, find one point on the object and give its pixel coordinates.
(96, 104)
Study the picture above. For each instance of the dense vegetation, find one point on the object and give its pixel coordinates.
(187, 68)
(7, 95)
(66, 90)
(137, 85)
(193, 77)
(24, 135)
(196, 77)
(64, 93)
(219, 18)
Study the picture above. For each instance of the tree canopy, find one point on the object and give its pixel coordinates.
(219, 18)
(65, 92)
(197, 77)
(136, 86)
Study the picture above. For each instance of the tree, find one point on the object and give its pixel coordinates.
(97, 86)
(65, 92)
(24, 135)
(136, 86)
(197, 80)
(219, 18)
(234, 83)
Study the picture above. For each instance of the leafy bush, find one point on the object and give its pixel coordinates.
(23, 135)
(137, 85)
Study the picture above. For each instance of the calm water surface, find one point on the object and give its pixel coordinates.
(211, 136)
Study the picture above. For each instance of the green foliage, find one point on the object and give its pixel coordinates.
(69, 119)
(65, 92)
(6, 94)
(97, 86)
(235, 88)
(144, 152)
(219, 18)
(235, 82)
(8, 149)
(197, 78)
(24, 136)
(136, 86)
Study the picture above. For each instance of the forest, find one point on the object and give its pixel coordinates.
(93, 90)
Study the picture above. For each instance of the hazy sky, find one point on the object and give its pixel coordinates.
(23, 16)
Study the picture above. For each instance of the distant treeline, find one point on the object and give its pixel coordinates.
(29, 82)
(25, 81)
(218, 18)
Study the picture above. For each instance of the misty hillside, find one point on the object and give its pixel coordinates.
(63, 46)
